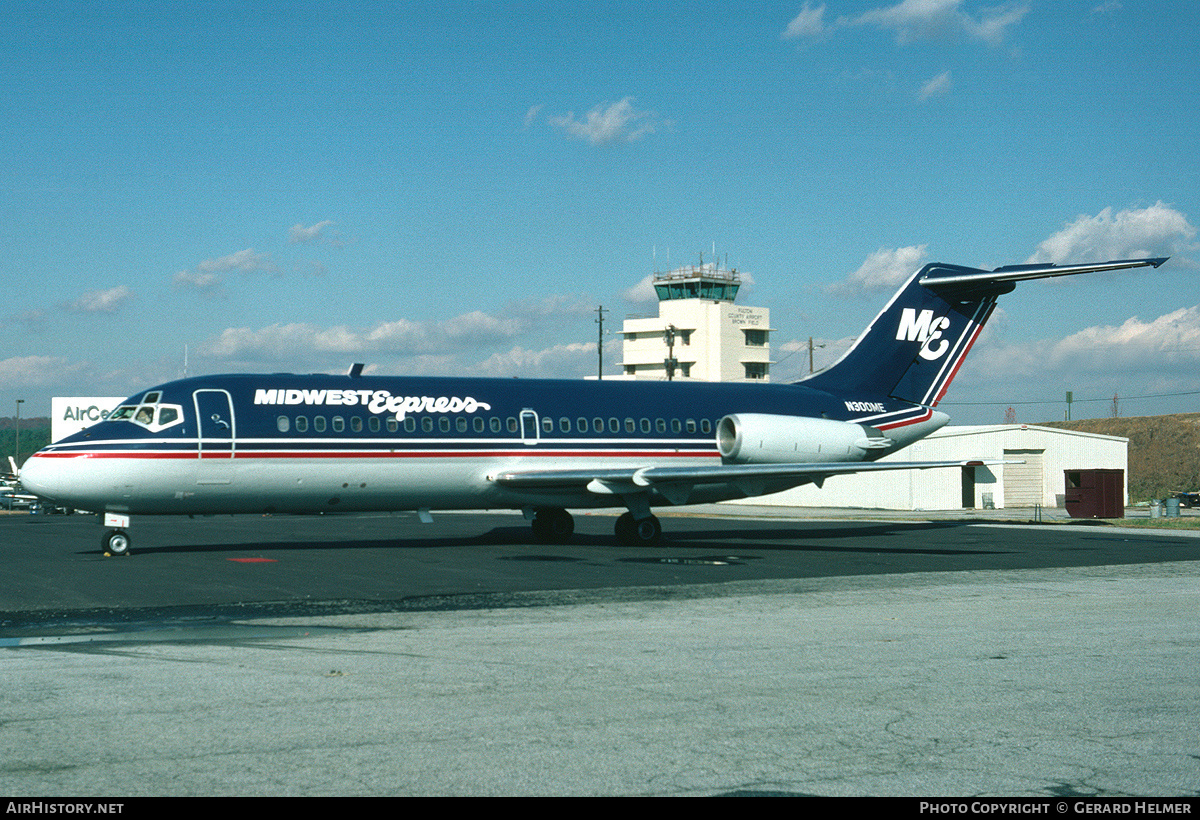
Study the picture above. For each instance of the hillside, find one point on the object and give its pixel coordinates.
(35, 434)
(1164, 451)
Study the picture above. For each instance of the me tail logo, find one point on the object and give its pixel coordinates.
(924, 327)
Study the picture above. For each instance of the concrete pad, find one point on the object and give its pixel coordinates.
(1031, 682)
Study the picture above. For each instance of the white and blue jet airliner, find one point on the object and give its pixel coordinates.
(284, 443)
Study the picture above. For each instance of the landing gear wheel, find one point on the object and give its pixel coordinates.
(553, 525)
(115, 542)
(640, 533)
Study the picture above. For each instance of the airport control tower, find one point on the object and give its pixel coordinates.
(699, 332)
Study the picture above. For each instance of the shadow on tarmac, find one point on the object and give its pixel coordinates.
(788, 538)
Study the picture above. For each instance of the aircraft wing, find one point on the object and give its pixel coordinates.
(675, 483)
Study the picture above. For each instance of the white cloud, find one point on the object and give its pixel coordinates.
(299, 234)
(914, 20)
(810, 22)
(531, 115)
(27, 371)
(616, 122)
(885, 269)
(207, 277)
(562, 360)
(203, 282)
(296, 340)
(643, 291)
(1158, 230)
(1133, 359)
(101, 301)
(937, 86)
(1168, 341)
(247, 261)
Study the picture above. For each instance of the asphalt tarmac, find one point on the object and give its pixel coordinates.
(374, 655)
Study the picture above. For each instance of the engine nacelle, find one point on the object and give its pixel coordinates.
(761, 438)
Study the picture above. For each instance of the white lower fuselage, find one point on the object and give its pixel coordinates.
(340, 475)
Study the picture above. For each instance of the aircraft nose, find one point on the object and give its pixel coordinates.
(36, 476)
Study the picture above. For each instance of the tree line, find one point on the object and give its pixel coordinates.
(35, 434)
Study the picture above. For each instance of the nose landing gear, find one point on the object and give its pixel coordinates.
(115, 542)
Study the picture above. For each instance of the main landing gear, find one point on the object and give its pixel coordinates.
(644, 532)
(554, 525)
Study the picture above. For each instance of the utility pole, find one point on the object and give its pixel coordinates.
(1070, 398)
(600, 311)
(17, 457)
(669, 337)
(810, 353)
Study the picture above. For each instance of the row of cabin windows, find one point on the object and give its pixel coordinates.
(492, 424)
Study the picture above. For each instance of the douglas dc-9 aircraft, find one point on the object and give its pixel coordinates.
(318, 443)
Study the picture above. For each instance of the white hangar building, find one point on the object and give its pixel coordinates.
(1047, 454)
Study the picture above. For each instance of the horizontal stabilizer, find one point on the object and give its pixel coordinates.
(938, 276)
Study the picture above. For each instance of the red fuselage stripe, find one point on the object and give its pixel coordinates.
(242, 454)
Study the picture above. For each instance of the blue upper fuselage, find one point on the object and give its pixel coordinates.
(437, 406)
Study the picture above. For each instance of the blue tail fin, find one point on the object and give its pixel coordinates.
(915, 346)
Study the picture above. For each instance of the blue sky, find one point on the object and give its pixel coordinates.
(452, 188)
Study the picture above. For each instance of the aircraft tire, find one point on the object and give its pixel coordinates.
(553, 525)
(643, 533)
(115, 542)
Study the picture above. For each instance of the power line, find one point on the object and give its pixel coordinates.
(1076, 401)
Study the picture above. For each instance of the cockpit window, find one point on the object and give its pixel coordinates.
(149, 414)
